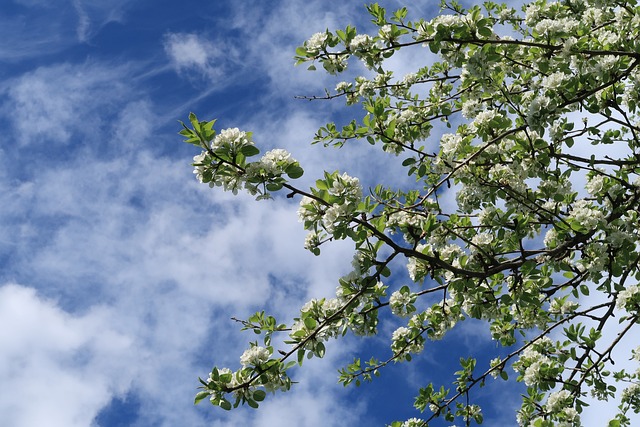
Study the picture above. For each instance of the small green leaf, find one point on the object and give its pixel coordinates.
(259, 395)
(200, 396)
(249, 150)
(310, 323)
(485, 31)
(274, 186)
(294, 171)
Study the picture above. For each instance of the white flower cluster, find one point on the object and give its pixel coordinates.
(320, 310)
(316, 41)
(470, 108)
(312, 240)
(310, 210)
(413, 422)
(401, 303)
(273, 163)
(343, 87)
(445, 21)
(537, 112)
(334, 216)
(496, 363)
(585, 214)
(404, 219)
(415, 266)
(199, 165)
(385, 32)
(347, 187)
(450, 144)
(440, 318)
(254, 356)
(403, 340)
(595, 183)
(231, 142)
(558, 400)
(626, 298)
(562, 306)
(360, 42)
(533, 362)
(631, 395)
(553, 80)
(349, 193)
(365, 87)
(551, 27)
(276, 157)
(233, 137)
(482, 119)
(482, 240)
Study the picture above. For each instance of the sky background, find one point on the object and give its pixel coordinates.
(119, 273)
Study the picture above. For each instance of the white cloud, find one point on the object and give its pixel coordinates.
(57, 369)
(188, 50)
(194, 55)
(53, 103)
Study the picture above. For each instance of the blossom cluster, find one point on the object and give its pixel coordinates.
(535, 364)
(223, 164)
(343, 194)
(401, 302)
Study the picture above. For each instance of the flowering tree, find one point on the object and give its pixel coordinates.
(530, 120)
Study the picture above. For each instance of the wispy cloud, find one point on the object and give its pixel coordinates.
(195, 56)
(53, 103)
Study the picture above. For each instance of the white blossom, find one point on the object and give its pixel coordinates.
(399, 302)
(343, 87)
(450, 143)
(595, 184)
(482, 239)
(316, 41)
(585, 214)
(553, 80)
(413, 422)
(403, 341)
(254, 356)
(199, 168)
(626, 295)
(558, 400)
(233, 137)
(361, 41)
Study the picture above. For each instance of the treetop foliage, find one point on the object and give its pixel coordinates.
(533, 116)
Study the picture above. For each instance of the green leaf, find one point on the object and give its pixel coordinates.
(259, 395)
(201, 396)
(485, 31)
(194, 121)
(249, 150)
(310, 323)
(320, 350)
(294, 171)
(274, 186)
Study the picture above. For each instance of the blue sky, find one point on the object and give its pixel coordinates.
(118, 271)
